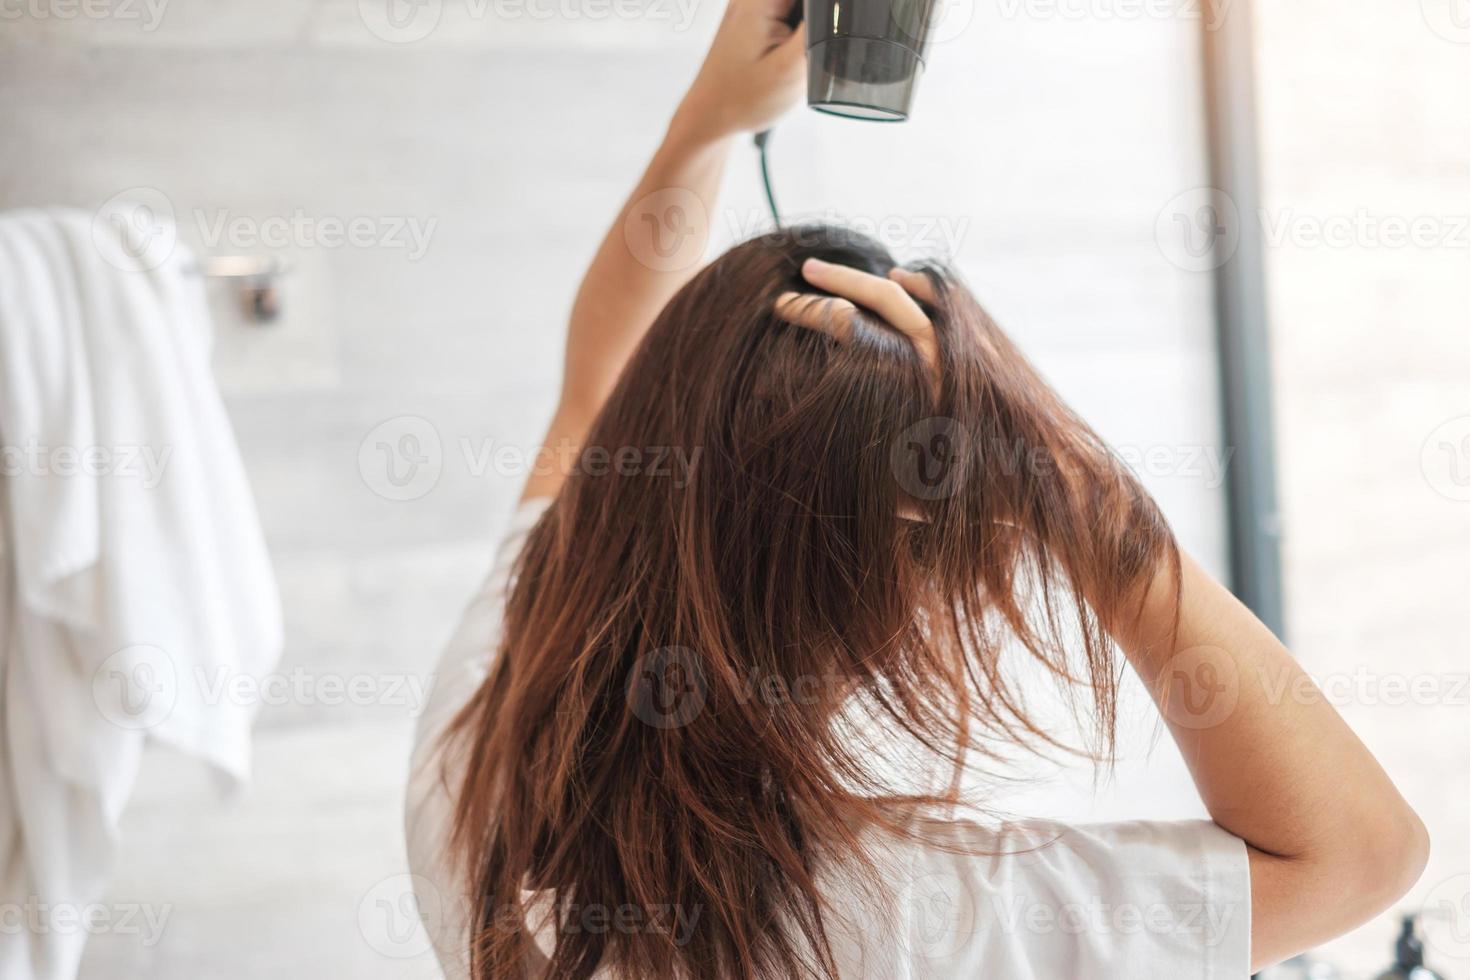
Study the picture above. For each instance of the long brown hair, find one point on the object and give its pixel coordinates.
(824, 528)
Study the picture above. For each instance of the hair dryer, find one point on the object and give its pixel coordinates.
(863, 61)
(864, 57)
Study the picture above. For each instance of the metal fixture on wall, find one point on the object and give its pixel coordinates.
(255, 279)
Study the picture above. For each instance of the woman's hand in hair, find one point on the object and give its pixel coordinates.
(891, 299)
(755, 71)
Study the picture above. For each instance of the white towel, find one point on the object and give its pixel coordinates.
(133, 572)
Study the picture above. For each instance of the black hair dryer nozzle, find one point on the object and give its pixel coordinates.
(864, 57)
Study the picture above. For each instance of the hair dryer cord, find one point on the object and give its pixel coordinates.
(761, 139)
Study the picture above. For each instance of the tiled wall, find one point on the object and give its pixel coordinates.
(1046, 150)
(1366, 144)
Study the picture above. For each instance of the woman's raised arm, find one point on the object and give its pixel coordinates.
(753, 73)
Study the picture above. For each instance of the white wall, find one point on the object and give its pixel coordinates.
(1047, 147)
(1364, 122)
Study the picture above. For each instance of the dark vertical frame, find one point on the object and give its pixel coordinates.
(1240, 313)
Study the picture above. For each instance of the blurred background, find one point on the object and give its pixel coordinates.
(1237, 240)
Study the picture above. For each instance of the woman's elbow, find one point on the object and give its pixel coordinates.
(1394, 850)
(1304, 900)
(1409, 852)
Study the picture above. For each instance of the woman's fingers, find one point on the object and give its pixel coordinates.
(824, 314)
(884, 297)
(777, 9)
(892, 299)
(915, 284)
(790, 49)
(888, 298)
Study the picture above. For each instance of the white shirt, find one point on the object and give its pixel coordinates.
(1029, 900)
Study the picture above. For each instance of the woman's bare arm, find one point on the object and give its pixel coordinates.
(752, 74)
(1332, 843)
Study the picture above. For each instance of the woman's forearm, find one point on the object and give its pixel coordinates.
(753, 73)
(1333, 842)
(652, 249)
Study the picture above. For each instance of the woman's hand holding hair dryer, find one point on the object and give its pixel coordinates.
(754, 72)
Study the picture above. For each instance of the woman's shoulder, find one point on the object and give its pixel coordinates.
(465, 660)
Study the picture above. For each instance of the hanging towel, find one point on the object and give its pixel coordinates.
(134, 579)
